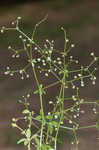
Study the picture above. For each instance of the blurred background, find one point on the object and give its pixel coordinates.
(81, 20)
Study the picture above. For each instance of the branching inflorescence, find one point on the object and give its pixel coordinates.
(42, 130)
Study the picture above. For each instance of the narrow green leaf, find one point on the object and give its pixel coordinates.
(26, 142)
(54, 123)
(43, 121)
(49, 117)
(37, 141)
(36, 92)
(38, 117)
(26, 111)
(50, 129)
(28, 133)
(21, 140)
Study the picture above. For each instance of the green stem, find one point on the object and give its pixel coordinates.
(87, 127)
(25, 35)
(34, 72)
(42, 126)
(29, 145)
(51, 85)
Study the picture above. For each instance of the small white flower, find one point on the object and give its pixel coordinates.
(55, 69)
(50, 102)
(82, 83)
(95, 68)
(21, 71)
(94, 78)
(58, 58)
(12, 23)
(50, 51)
(92, 54)
(49, 113)
(95, 58)
(49, 70)
(38, 67)
(70, 121)
(67, 40)
(19, 18)
(75, 77)
(38, 59)
(71, 57)
(82, 100)
(79, 75)
(8, 67)
(76, 61)
(72, 45)
(74, 98)
(73, 86)
(11, 74)
(46, 40)
(46, 74)
(52, 41)
(46, 52)
(78, 109)
(2, 31)
(6, 73)
(55, 129)
(22, 78)
(24, 40)
(3, 28)
(27, 75)
(43, 60)
(44, 64)
(61, 122)
(82, 67)
(72, 110)
(59, 62)
(13, 56)
(94, 109)
(48, 59)
(55, 116)
(28, 95)
(20, 36)
(66, 87)
(17, 56)
(35, 48)
(93, 82)
(9, 47)
(28, 45)
(75, 116)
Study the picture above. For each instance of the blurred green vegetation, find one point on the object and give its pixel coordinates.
(5, 9)
(64, 136)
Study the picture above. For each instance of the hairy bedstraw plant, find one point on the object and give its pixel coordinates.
(41, 130)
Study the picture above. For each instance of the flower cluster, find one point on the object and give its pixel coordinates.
(57, 64)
